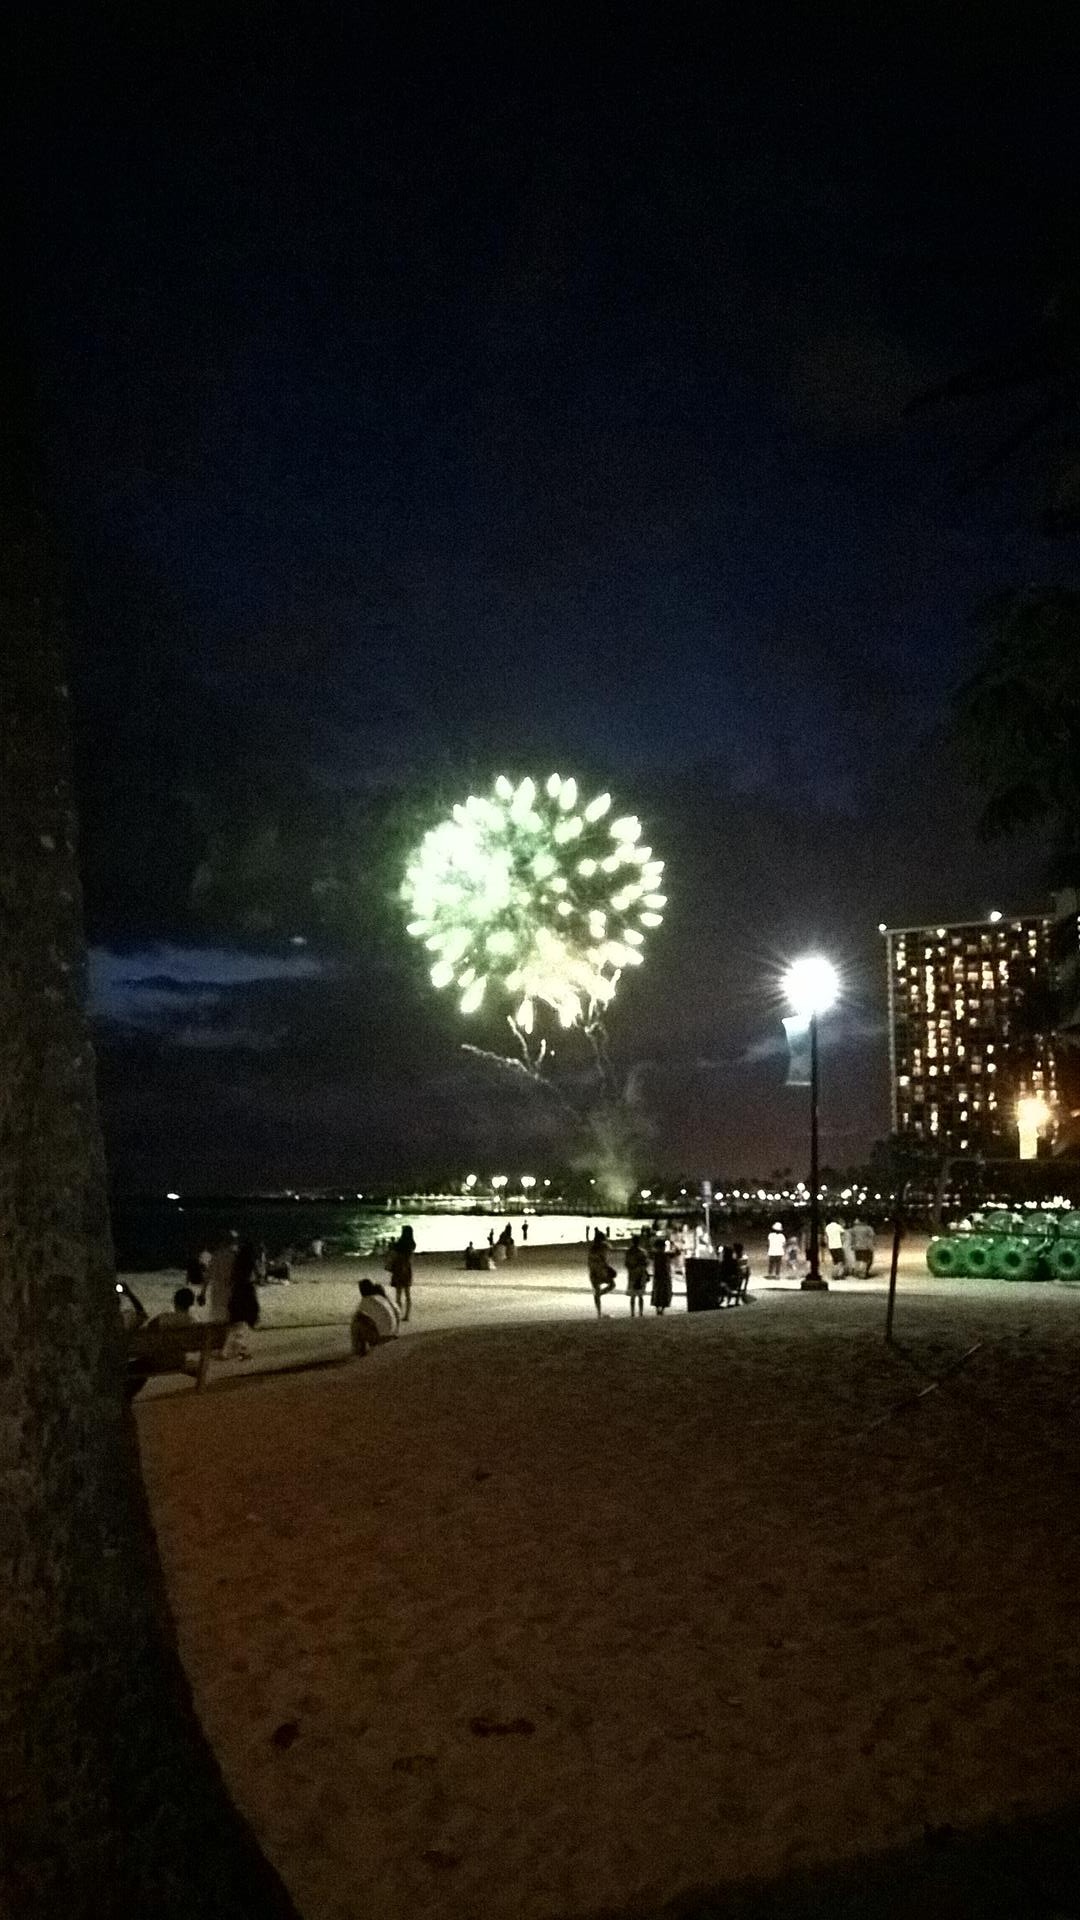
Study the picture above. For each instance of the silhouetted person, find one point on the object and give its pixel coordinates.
(182, 1302)
(661, 1267)
(243, 1300)
(637, 1275)
(602, 1274)
(399, 1267)
(862, 1246)
(375, 1319)
(217, 1286)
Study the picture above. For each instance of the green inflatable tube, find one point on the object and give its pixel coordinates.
(1017, 1261)
(941, 1258)
(981, 1259)
(1065, 1259)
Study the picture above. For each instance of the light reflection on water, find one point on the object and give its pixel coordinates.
(151, 1234)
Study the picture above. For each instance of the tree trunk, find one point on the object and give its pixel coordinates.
(111, 1802)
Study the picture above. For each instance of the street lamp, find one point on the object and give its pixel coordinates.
(811, 986)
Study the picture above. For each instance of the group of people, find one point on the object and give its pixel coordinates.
(654, 1258)
(850, 1249)
(499, 1247)
(377, 1317)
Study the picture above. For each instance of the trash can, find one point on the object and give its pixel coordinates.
(703, 1290)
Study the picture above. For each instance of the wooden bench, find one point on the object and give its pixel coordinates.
(734, 1295)
(169, 1349)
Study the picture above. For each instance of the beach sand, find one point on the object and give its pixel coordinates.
(550, 1619)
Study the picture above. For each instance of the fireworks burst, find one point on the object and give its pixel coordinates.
(533, 897)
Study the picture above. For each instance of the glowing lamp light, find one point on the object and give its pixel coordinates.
(528, 1182)
(498, 1181)
(811, 985)
(995, 916)
(470, 1181)
(1033, 1113)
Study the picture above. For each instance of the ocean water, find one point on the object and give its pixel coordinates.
(153, 1234)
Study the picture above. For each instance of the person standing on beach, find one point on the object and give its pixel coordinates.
(399, 1267)
(601, 1273)
(217, 1284)
(243, 1310)
(637, 1274)
(661, 1266)
(776, 1244)
(524, 1233)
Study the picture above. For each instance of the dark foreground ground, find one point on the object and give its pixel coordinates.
(566, 1618)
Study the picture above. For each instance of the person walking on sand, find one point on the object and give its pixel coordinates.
(834, 1240)
(399, 1267)
(524, 1233)
(243, 1302)
(775, 1250)
(506, 1242)
(602, 1274)
(661, 1267)
(862, 1246)
(217, 1283)
(637, 1275)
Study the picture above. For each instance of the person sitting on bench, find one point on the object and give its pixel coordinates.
(182, 1302)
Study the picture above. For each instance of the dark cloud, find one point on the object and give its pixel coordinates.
(422, 403)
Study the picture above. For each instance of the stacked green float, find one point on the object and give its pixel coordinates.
(1065, 1252)
(1036, 1245)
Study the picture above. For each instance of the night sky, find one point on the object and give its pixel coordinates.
(425, 403)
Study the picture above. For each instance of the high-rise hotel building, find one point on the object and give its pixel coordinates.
(971, 1029)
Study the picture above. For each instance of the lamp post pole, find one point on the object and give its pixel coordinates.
(813, 1282)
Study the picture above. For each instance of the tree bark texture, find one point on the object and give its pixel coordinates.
(111, 1802)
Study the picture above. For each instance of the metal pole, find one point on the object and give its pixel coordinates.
(897, 1231)
(814, 1282)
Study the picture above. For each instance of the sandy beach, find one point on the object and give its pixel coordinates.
(306, 1322)
(561, 1617)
